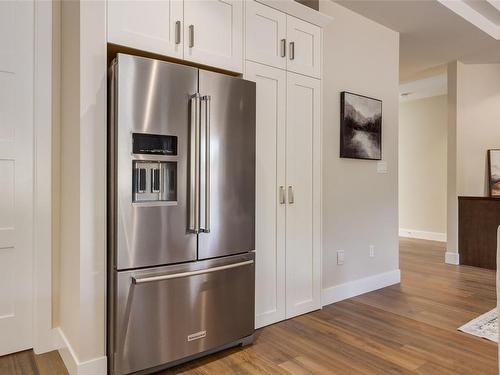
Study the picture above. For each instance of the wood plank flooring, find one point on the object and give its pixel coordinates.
(408, 328)
(27, 363)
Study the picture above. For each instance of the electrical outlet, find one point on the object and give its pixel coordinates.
(382, 167)
(372, 251)
(340, 257)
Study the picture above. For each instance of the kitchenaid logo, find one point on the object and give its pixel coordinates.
(197, 335)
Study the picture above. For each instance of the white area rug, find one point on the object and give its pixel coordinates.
(485, 326)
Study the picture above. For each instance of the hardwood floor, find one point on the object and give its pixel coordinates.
(408, 328)
(27, 363)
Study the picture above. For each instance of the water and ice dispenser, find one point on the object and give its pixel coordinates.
(154, 179)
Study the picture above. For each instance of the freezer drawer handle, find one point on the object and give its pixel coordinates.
(142, 280)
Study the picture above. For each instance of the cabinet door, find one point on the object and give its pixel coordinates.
(213, 33)
(304, 47)
(265, 35)
(153, 26)
(303, 262)
(270, 175)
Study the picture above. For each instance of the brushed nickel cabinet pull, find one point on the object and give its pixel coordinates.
(282, 195)
(290, 195)
(292, 50)
(191, 36)
(283, 47)
(177, 32)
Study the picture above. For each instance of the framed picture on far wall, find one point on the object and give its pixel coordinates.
(360, 127)
(494, 172)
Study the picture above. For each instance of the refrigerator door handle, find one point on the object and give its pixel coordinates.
(207, 99)
(148, 279)
(194, 165)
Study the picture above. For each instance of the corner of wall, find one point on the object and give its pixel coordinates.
(95, 366)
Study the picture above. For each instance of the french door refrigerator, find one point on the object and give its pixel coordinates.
(181, 213)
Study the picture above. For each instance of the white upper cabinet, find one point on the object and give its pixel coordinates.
(153, 26)
(213, 33)
(304, 47)
(280, 40)
(265, 35)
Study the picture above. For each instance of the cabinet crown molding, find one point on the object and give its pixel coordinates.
(298, 10)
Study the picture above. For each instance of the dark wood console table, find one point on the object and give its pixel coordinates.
(478, 220)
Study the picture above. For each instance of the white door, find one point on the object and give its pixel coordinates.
(213, 33)
(270, 294)
(16, 175)
(265, 35)
(304, 53)
(303, 262)
(149, 25)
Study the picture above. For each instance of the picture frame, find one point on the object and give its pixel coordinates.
(494, 172)
(360, 127)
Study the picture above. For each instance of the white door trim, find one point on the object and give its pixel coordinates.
(43, 335)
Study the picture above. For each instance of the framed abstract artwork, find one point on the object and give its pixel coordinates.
(360, 127)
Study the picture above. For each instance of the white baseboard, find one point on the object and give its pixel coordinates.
(422, 235)
(452, 258)
(355, 288)
(95, 366)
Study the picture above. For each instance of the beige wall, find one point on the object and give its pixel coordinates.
(360, 206)
(422, 164)
(474, 127)
(478, 127)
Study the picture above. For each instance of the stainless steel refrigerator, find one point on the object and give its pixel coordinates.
(181, 213)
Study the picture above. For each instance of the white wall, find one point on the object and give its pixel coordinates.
(83, 187)
(422, 165)
(360, 206)
(474, 127)
(69, 271)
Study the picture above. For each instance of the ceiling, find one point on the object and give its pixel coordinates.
(432, 34)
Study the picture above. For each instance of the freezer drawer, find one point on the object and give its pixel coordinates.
(168, 313)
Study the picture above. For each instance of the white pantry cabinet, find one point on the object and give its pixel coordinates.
(208, 32)
(213, 33)
(152, 26)
(270, 303)
(303, 251)
(288, 252)
(280, 40)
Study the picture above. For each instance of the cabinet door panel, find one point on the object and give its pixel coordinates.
(265, 31)
(146, 25)
(303, 267)
(213, 33)
(270, 175)
(306, 39)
